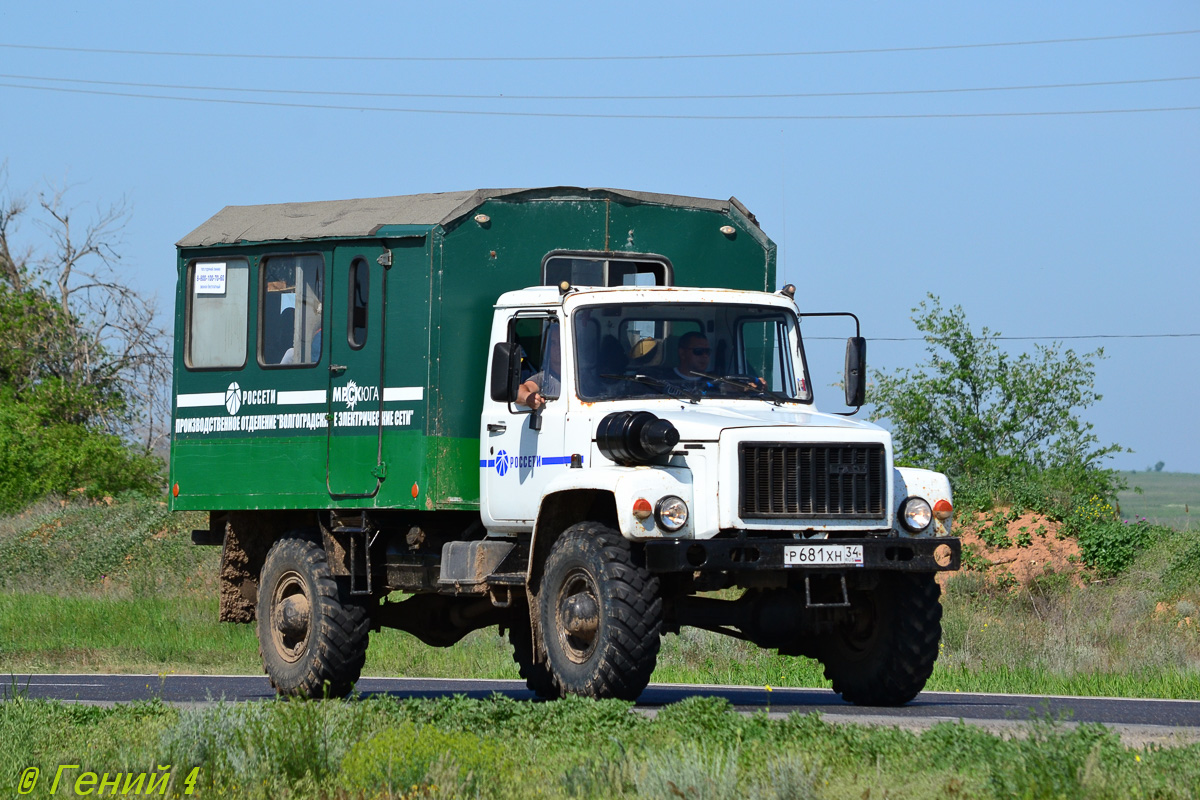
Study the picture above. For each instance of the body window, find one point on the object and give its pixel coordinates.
(290, 328)
(360, 275)
(581, 270)
(218, 294)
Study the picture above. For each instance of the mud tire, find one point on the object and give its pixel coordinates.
(612, 653)
(536, 675)
(322, 651)
(887, 655)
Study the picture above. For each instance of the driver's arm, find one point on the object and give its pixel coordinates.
(529, 394)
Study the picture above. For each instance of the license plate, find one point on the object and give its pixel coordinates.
(823, 555)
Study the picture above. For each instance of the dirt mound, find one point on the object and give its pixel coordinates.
(1016, 550)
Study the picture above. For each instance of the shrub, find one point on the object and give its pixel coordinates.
(405, 756)
(1055, 764)
(976, 409)
(694, 772)
(40, 456)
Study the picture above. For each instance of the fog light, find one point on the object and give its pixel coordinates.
(916, 514)
(671, 513)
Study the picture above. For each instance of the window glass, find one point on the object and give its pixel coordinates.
(360, 274)
(291, 313)
(218, 294)
(690, 350)
(764, 350)
(542, 358)
(584, 271)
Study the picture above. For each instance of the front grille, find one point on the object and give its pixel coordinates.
(804, 481)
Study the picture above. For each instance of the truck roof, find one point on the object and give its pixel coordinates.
(367, 216)
(551, 296)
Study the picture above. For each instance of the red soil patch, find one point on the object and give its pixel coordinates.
(1033, 550)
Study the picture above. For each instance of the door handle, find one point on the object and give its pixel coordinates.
(497, 427)
(337, 369)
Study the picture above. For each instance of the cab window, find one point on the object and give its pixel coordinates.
(217, 301)
(541, 362)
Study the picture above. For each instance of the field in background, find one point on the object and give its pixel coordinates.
(1167, 498)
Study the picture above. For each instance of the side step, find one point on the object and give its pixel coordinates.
(360, 534)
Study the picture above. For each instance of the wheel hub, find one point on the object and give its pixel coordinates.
(291, 617)
(581, 617)
(578, 616)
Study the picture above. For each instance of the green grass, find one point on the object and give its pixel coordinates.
(499, 748)
(124, 591)
(1166, 498)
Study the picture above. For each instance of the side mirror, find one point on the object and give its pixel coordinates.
(506, 372)
(856, 371)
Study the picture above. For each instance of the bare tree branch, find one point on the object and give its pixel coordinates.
(93, 331)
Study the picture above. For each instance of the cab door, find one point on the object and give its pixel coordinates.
(355, 339)
(516, 461)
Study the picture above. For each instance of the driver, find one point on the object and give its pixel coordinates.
(694, 355)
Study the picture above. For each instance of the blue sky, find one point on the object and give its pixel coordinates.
(1048, 226)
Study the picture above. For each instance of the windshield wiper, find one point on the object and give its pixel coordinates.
(672, 389)
(748, 387)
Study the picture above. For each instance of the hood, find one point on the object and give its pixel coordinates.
(704, 423)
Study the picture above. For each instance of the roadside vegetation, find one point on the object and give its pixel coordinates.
(456, 747)
(84, 366)
(120, 588)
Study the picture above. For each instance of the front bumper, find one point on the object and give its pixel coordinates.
(760, 555)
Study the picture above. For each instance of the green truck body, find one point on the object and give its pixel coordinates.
(429, 319)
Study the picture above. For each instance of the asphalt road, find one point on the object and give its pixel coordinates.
(1137, 720)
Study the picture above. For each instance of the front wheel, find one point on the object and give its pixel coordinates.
(536, 673)
(600, 615)
(312, 638)
(884, 654)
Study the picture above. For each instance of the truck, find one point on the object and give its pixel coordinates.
(583, 417)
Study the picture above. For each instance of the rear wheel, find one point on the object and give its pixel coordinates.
(312, 637)
(884, 654)
(600, 615)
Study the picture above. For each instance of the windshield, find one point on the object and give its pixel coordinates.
(689, 351)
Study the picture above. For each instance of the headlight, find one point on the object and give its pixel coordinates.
(671, 513)
(916, 514)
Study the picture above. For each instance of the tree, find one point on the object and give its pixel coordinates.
(972, 407)
(83, 364)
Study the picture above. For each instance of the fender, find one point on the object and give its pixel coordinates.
(933, 486)
(584, 492)
(627, 484)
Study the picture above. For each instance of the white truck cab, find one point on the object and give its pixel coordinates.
(684, 419)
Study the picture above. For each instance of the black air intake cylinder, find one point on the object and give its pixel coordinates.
(635, 437)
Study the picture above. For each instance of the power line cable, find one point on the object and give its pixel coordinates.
(1025, 338)
(426, 96)
(662, 57)
(572, 115)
